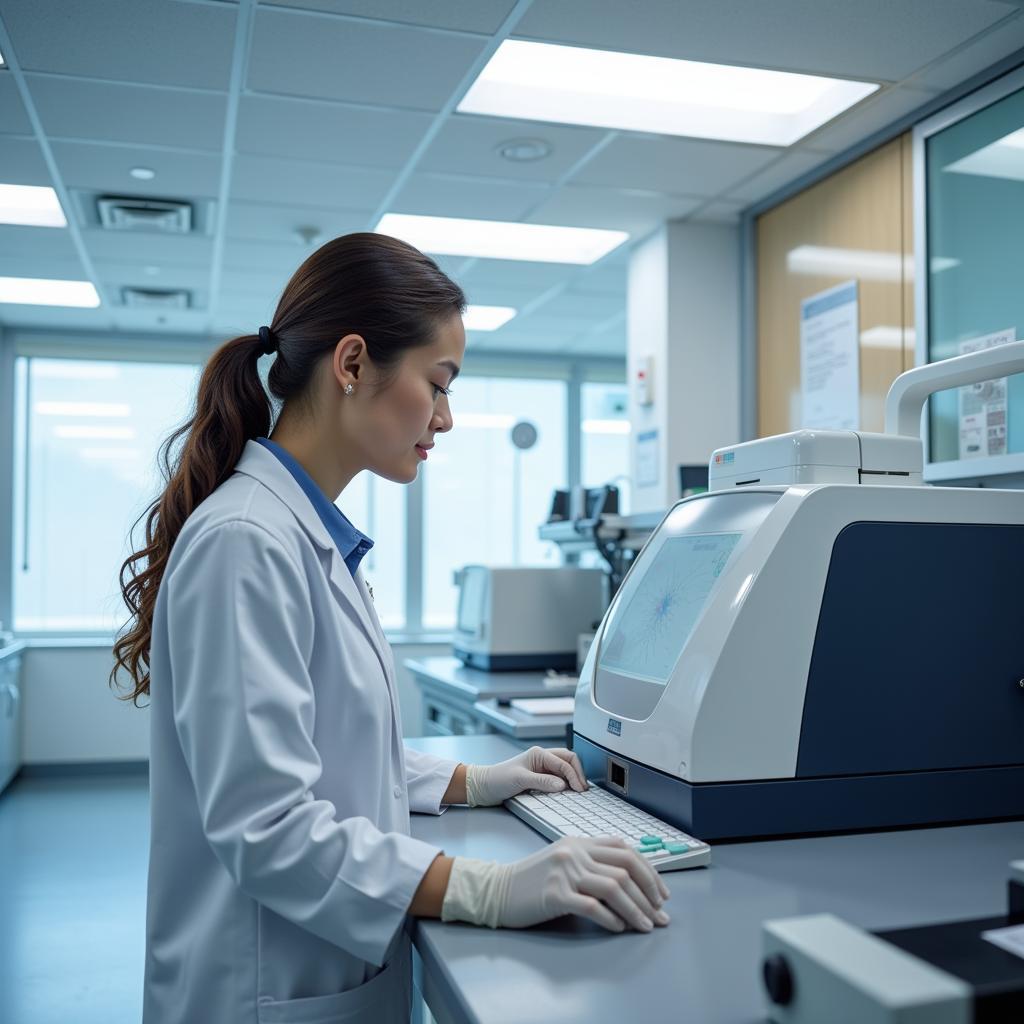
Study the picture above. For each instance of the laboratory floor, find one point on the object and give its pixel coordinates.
(73, 899)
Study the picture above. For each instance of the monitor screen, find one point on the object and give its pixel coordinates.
(653, 627)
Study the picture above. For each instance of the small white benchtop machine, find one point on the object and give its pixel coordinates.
(820, 643)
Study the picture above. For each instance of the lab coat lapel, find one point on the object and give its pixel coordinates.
(263, 465)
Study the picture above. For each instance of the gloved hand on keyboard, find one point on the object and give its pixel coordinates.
(548, 770)
(600, 878)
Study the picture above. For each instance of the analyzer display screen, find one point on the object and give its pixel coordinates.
(657, 616)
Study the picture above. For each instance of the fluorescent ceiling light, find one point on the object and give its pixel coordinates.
(60, 369)
(830, 261)
(885, 336)
(103, 409)
(486, 318)
(606, 427)
(501, 240)
(1003, 158)
(77, 432)
(3, 63)
(36, 291)
(35, 205)
(573, 85)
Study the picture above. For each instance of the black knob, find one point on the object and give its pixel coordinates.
(778, 979)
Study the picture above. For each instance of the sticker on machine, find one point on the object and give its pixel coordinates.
(1010, 939)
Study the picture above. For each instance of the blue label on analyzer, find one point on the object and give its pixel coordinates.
(614, 726)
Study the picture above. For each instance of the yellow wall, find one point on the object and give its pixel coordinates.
(865, 207)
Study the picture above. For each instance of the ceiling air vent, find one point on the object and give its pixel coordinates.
(155, 298)
(132, 213)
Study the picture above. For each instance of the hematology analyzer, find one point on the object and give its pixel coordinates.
(820, 643)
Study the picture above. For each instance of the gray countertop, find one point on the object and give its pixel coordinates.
(473, 685)
(704, 967)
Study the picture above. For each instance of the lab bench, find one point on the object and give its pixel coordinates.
(460, 701)
(705, 966)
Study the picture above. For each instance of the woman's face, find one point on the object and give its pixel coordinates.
(396, 415)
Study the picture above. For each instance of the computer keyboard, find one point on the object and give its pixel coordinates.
(600, 813)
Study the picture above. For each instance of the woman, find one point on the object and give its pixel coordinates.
(281, 866)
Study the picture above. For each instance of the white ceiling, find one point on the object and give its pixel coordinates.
(325, 113)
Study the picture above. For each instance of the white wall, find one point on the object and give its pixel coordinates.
(70, 714)
(683, 302)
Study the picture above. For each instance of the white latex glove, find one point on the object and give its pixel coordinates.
(550, 771)
(600, 878)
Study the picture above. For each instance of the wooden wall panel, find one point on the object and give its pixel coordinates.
(860, 216)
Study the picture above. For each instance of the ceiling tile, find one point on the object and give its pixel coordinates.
(256, 282)
(147, 248)
(536, 277)
(787, 168)
(718, 211)
(41, 243)
(66, 317)
(247, 309)
(386, 65)
(469, 145)
(585, 307)
(127, 40)
(105, 169)
(78, 109)
(278, 261)
(22, 163)
(328, 131)
(20, 264)
(299, 183)
(592, 206)
(116, 274)
(872, 39)
(975, 57)
(438, 195)
(464, 15)
(272, 223)
(13, 119)
(675, 166)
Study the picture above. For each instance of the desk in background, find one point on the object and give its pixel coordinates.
(705, 966)
(460, 701)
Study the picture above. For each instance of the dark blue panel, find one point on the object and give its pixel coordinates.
(777, 807)
(918, 652)
(515, 662)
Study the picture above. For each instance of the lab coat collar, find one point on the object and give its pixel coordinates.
(263, 465)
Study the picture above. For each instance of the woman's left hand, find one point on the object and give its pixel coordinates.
(549, 770)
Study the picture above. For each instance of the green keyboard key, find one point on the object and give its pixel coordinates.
(676, 847)
(651, 840)
(651, 847)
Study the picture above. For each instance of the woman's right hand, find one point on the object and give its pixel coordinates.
(601, 878)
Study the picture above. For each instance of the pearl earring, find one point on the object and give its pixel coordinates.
(349, 389)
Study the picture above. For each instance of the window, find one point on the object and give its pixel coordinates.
(93, 432)
(604, 438)
(484, 497)
(377, 507)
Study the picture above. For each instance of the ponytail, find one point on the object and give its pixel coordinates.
(365, 283)
(232, 407)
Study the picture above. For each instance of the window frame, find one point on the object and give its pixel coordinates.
(148, 348)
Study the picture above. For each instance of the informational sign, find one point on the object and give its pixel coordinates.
(647, 471)
(830, 359)
(983, 407)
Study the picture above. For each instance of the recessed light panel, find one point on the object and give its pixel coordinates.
(501, 240)
(486, 318)
(36, 291)
(35, 205)
(604, 89)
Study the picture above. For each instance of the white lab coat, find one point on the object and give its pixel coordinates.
(281, 865)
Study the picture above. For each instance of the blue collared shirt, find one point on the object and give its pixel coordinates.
(351, 543)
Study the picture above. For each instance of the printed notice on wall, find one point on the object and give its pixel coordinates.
(983, 407)
(829, 359)
(647, 473)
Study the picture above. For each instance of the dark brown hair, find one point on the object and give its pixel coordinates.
(367, 284)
